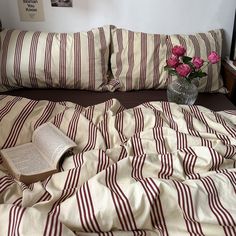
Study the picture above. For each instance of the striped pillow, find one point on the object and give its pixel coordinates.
(201, 44)
(138, 59)
(54, 60)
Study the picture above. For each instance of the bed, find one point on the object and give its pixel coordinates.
(142, 166)
(128, 99)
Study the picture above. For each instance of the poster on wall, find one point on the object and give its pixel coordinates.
(31, 10)
(61, 3)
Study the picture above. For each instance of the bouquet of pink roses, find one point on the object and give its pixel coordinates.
(188, 67)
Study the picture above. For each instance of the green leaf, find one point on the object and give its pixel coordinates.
(186, 59)
(197, 74)
(201, 74)
(173, 72)
(166, 67)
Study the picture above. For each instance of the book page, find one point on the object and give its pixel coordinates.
(52, 142)
(26, 159)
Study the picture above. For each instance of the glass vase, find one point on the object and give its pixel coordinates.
(182, 91)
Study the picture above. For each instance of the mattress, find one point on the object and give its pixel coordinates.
(129, 99)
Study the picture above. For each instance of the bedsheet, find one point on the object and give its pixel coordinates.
(156, 169)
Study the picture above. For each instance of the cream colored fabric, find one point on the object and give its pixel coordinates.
(156, 169)
(138, 59)
(54, 60)
(81, 60)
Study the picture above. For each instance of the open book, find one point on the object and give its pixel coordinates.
(38, 159)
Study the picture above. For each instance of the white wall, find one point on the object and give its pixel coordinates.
(152, 16)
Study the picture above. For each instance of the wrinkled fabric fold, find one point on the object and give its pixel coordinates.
(156, 169)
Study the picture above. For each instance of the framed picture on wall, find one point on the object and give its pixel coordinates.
(61, 3)
(30, 10)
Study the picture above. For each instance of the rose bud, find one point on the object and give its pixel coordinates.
(178, 51)
(198, 62)
(213, 57)
(173, 61)
(183, 70)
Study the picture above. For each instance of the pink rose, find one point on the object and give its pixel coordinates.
(198, 62)
(183, 70)
(213, 57)
(173, 61)
(178, 51)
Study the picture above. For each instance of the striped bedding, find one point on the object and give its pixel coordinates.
(104, 58)
(138, 59)
(34, 59)
(155, 169)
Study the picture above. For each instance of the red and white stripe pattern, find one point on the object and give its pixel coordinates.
(223, 216)
(18, 124)
(119, 125)
(137, 145)
(138, 59)
(48, 60)
(5, 182)
(140, 170)
(189, 163)
(18, 56)
(15, 218)
(33, 59)
(166, 169)
(152, 192)
(168, 113)
(231, 177)
(139, 120)
(92, 137)
(120, 201)
(53, 225)
(159, 140)
(62, 60)
(230, 130)
(46, 114)
(4, 57)
(9, 105)
(58, 60)
(58, 119)
(186, 204)
(103, 161)
(73, 125)
(86, 210)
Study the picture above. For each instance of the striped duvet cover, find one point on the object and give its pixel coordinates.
(156, 169)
